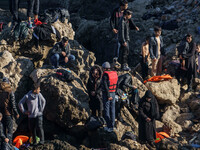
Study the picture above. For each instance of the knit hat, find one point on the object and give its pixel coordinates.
(106, 65)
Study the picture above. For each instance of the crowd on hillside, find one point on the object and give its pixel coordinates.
(108, 91)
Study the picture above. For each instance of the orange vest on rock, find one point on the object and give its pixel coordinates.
(113, 78)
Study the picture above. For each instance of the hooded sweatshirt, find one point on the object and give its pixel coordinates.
(35, 104)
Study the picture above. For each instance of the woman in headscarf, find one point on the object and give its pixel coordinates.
(148, 112)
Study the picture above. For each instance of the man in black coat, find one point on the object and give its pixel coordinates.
(94, 91)
(148, 112)
(190, 64)
(125, 24)
(14, 6)
(3, 138)
(115, 18)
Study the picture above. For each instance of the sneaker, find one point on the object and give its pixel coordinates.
(108, 129)
(126, 67)
(30, 26)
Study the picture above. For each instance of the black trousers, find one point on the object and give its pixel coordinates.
(125, 52)
(144, 68)
(34, 124)
(14, 6)
(33, 7)
(8, 127)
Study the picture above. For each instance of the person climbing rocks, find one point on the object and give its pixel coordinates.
(145, 57)
(124, 27)
(115, 18)
(148, 112)
(35, 103)
(109, 86)
(125, 87)
(60, 53)
(156, 48)
(7, 106)
(94, 91)
(33, 8)
(4, 140)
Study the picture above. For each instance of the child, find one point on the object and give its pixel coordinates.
(3, 138)
(145, 57)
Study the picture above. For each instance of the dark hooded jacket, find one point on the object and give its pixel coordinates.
(95, 85)
(148, 109)
(7, 100)
(124, 82)
(58, 48)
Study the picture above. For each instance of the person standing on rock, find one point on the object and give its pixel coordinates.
(116, 16)
(145, 57)
(60, 53)
(124, 38)
(148, 112)
(14, 6)
(109, 86)
(3, 138)
(94, 91)
(33, 7)
(7, 106)
(156, 49)
(35, 106)
(190, 63)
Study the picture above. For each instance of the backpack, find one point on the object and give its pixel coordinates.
(64, 75)
(94, 123)
(20, 31)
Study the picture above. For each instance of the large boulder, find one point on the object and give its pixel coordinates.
(17, 71)
(169, 117)
(27, 46)
(67, 103)
(133, 145)
(166, 92)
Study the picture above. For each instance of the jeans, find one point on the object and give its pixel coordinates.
(117, 46)
(34, 124)
(56, 60)
(14, 6)
(145, 68)
(33, 7)
(8, 125)
(109, 110)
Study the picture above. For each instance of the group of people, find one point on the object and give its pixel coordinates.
(35, 104)
(105, 87)
(33, 7)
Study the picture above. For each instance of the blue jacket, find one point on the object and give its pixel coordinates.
(153, 47)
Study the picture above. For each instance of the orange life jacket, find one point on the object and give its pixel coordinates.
(158, 78)
(160, 136)
(113, 78)
(19, 140)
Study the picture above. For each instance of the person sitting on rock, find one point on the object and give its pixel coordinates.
(35, 106)
(124, 38)
(148, 112)
(33, 7)
(3, 138)
(109, 86)
(60, 53)
(125, 87)
(7, 106)
(94, 91)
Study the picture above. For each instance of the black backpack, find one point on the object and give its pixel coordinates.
(64, 75)
(94, 123)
